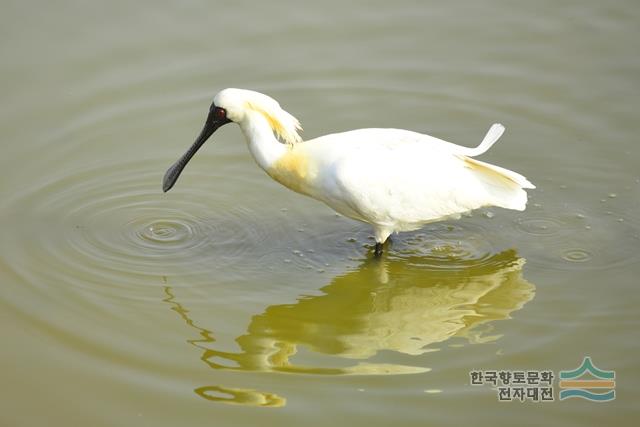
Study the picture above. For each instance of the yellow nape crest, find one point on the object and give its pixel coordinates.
(283, 124)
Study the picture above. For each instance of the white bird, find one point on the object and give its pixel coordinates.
(394, 179)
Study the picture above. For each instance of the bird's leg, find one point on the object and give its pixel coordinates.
(382, 237)
(377, 252)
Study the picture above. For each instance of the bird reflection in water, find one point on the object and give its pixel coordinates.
(408, 305)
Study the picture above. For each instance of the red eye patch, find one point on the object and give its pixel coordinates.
(220, 113)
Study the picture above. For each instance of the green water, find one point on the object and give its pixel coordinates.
(233, 301)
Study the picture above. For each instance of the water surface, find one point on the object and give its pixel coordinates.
(231, 300)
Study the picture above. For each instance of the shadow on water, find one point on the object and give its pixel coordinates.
(407, 305)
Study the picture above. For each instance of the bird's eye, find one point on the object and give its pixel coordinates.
(220, 113)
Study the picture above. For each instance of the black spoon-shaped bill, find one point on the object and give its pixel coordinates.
(215, 119)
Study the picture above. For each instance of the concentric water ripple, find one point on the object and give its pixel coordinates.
(172, 232)
(112, 222)
(540, 226)
(577, 255)
(447, 246)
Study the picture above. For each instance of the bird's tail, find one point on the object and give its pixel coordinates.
(504, 187)
(494, 133)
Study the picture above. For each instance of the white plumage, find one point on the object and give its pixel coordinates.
(395, 180)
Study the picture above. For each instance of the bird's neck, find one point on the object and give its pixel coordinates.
(263, 145)
(287, 164)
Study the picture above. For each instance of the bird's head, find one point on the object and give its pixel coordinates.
(239, 106)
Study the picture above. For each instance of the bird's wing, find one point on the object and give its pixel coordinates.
(393, 137)
(388, 176)
(407, 183)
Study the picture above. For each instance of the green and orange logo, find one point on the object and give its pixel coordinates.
(598, 386)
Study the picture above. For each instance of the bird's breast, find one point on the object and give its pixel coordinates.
(294, 170)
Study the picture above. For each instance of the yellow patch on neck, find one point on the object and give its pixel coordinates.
(293, 170)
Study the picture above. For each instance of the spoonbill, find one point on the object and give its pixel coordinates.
(394, 179)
